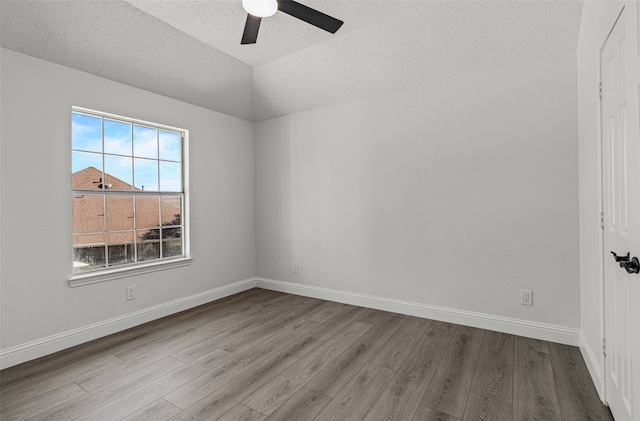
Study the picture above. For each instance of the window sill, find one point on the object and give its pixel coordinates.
(124, 272)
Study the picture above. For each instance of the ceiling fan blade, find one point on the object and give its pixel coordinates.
(250, 34)
(309, 15)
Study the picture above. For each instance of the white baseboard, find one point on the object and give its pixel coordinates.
(54, 343)
(45, 346)
(593, 365)
(544, 331)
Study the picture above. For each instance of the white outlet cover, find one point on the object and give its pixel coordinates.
(526, 297)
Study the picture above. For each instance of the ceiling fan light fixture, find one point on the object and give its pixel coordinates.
(260, 8)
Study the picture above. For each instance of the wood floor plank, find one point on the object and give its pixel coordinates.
(250, 296)
(201, 317)
(261, 301)
(208, 382)
(267, 399)
(309, 342)
(341, 370)
(223, 333)
(76, 407)
(253, 298)
(41, 403)
(277, 342)
(535, 345)
(264, 295)
(159, 410)
(201, 386)
(534, 390)
(277, 338)
(249, 327)
(155, 340)
(218, 329)
(231, 394)
(79, 356)
(181, 341)
(428, 414)
(324, 312)
(34, 385)
(191, 327)
(577, 395)
(104, 377)
(304, 405)
(493, 377)
(358, 396)
(373, 317)
(215, 309)
(480, 408)
(95, 380)
(395, 350)
(242, 413)
(448, 390)
(145, 395)
(402, 396)
(167, 326)
(275, 326)
(139, 398)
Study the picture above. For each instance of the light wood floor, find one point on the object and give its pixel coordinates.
(264, 355)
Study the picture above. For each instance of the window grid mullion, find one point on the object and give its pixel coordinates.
(106, 235)
(160, 216)
(161, 196)
(133, 172)
(126, 193)
(158, 155)
(101, 185)
(135, 229)
(135, 199)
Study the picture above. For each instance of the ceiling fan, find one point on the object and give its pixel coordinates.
(258, 9)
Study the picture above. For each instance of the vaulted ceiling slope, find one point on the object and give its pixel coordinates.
(190, 50)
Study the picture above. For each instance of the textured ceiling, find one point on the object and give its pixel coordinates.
(190, 50)
(219, 24)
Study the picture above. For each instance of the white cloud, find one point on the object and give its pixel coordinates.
(145, 142)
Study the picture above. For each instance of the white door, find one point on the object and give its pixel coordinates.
(621, 206)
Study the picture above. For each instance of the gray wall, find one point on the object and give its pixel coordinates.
(457, 194)
(37, 97)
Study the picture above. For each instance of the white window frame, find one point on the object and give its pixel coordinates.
(132, 269)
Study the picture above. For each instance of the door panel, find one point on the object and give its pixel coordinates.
(621, 208)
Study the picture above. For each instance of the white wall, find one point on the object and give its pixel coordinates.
(37, 303)
(597, 20)
(458, 195)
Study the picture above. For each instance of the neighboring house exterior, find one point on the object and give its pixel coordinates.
(118, 229)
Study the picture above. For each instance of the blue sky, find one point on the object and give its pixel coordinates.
(135, 154)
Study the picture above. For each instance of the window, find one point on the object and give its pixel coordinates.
(128, 193)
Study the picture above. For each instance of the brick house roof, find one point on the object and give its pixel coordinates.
(89, 210)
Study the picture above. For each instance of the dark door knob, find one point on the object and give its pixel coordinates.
(621, 258)
(632, 266)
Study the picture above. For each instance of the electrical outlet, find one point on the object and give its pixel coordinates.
(526, 297)
(296, 268)
(131, 293)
